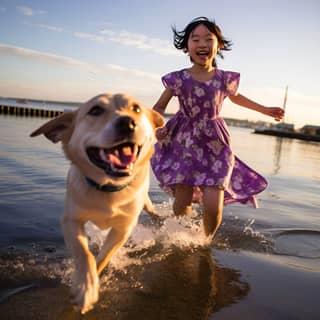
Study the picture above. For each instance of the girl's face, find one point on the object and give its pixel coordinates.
(202, 46)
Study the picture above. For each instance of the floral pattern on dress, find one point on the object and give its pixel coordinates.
(197, 149)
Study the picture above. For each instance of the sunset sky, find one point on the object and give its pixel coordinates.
(71, 50)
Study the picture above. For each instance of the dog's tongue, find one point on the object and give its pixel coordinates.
(121, 156)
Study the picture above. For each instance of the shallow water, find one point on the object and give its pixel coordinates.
(159, 260)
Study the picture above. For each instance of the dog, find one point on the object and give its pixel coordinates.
(109, 141)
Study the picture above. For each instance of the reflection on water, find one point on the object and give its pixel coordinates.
(284, 156)
(182, 285)
(277, 155)
(288, 152)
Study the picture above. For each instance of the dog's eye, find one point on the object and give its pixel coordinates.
(136, 108)
(96, 111)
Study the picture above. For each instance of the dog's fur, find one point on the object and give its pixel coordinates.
(109, 141)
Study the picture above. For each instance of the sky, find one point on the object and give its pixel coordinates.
(72, 50)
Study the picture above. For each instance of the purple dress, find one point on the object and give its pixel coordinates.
(196, 150)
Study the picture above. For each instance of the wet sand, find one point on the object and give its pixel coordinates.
(179, 285)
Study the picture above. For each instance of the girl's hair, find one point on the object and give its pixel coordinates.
(180, 38)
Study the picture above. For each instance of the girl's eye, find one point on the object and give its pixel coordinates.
(136, 108)
(96, 111)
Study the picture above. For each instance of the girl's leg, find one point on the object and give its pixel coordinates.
(182, 200)
(213, 208)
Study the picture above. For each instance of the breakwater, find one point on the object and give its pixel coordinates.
(28, 111)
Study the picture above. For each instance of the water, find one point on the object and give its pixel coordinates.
(170, 267)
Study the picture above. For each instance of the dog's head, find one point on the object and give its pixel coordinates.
(108, 138)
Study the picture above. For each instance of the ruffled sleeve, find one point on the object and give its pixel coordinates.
(172, 81)
(231, 81)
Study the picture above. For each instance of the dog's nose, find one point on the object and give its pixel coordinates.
(126, 125)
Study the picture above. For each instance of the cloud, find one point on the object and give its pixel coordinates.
(88, 36)
(132, 72)
(136, 40)
(27, 11)
(101, 23)
(140, 41)
(45, 26)
(53, 59)
(8, 50)
(2, 9)
(91, 80)
(126, 38)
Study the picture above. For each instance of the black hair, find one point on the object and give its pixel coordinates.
(180, 38)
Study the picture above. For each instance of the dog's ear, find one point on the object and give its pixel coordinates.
(58, 129)
(157, 119)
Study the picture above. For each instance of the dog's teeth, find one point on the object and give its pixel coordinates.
(127, 151)
(135, 150)
(102, 155)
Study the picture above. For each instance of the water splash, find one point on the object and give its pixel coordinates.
(248, 228)
(152, 240)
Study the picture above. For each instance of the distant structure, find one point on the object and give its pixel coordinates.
(28, 111)
(287, 130)
(34, 108)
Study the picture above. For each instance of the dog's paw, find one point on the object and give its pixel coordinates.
(85, 291)
(157, 220)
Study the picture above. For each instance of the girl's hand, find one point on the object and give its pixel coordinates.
(274, 112)
(161, 133)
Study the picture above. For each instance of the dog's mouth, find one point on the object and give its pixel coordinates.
(117, 161)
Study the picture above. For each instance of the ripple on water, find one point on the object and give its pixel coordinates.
(302, 243)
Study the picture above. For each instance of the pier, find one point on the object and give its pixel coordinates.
(28, 111)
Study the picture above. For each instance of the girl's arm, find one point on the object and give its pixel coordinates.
(160, 107)
(163, 101)
(274, 112)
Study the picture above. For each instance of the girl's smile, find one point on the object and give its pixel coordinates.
(202, 46)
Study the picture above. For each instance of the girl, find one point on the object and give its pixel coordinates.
(193, 154)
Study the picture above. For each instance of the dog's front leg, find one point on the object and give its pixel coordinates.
(148, 206)
(85, 282)
(114, 240)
